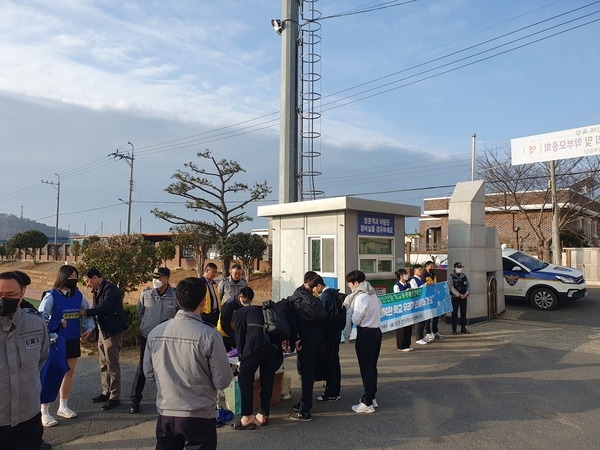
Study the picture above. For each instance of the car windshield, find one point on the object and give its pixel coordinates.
(528, 261)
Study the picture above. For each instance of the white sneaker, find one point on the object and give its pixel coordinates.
(439, 336)
(422, 341)
(66, 413)
(375, 405)
(362, 408)
(430, 336)
(48, 420)
(407, 349)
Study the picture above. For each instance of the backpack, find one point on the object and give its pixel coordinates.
(276, 326)
(338, 312)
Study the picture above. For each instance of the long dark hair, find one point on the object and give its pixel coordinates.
(63, 275)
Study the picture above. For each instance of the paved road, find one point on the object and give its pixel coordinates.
(526, 380)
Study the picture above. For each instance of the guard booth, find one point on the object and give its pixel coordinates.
(333, 236)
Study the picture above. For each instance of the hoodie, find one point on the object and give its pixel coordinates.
(363, 288)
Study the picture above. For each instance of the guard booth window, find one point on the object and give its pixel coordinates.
(322, 254)
(376, 255)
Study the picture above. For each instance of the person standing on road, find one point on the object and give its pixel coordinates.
(24, 346)
(366, 315)
(212, 306)
(66, 300)
(431, 330)
(187, 359)
(255, 351)
(415, 283)
(309, 317)
(403, 334)
(232, 285)
(110, 317)
(155, 305)
(459, 290)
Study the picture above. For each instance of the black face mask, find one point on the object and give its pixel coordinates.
(71, 283)
(8, 306)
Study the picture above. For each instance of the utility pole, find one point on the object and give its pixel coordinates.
(556, 251)
(56, 185)
(473, 146)
(289, 28)
(128, 158)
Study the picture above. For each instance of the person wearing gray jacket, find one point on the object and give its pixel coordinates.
(24, 347)
(156, 304)
(187, 359)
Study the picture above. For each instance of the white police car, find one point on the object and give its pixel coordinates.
(544, 285)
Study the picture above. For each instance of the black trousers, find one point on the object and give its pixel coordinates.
(368, 346)
(139, 379)
(264, 358)
(431, 325)
(331, 365)
(24, 436)
(458, 303)
(403, 337)
(191, 433)
(307, 360)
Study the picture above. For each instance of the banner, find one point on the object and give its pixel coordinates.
(406, 308)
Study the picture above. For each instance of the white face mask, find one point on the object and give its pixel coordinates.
(156, 283)
(458, 270)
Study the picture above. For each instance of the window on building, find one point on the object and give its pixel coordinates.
(322, 254)
(376, 255)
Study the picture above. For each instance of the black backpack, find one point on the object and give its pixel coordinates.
(276, 326)
(338, 312)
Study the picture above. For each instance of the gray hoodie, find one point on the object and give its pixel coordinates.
(363, 288)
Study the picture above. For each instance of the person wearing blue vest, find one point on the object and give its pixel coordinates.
(62, 304)
(415, 283)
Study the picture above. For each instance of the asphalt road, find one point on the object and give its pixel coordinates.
(526, 380)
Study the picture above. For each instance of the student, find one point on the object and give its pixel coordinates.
(226, 323)
(404, 334)
(431, 326)
(366, 315)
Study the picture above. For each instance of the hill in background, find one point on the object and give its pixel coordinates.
(11, 225)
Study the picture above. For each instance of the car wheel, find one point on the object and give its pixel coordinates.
(543, 299)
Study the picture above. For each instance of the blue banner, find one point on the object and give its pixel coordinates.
(406, 308)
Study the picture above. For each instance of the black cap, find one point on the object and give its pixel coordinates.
(161, 272)
(458, 264)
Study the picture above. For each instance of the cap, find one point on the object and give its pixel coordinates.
(161, 272)
(457, 264)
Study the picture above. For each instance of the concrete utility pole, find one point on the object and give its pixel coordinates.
(56, 184)
(128, 158)
(473, 157)
(288, 139)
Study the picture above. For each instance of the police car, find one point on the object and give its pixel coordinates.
(544, 285)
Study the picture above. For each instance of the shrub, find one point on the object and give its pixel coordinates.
(131, 336)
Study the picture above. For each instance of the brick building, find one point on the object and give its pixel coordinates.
(513, 227)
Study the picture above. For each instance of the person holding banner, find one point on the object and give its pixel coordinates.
(459, 289)
(366, 315)
(415, 283)
(404, 334)
(431, 326)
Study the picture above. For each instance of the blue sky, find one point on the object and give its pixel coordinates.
(80, 79)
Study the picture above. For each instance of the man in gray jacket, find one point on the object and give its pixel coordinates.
(156, 304)
(187, 358)
(24, 346)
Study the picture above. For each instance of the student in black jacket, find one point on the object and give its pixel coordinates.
(254, 352)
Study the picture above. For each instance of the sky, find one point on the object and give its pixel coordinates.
(403, 86)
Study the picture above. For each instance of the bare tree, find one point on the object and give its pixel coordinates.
(576, 179)
(209, 190)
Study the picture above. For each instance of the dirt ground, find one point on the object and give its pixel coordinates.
(260, 282)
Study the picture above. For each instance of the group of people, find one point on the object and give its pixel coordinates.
(427, 330)
(185, 335)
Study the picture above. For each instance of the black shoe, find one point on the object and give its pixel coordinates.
(454, 332)
(110, 405)
(303, 417)
(100, 398)
(134, 408)
(296, 407)
(465, 331)
(45, 446)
